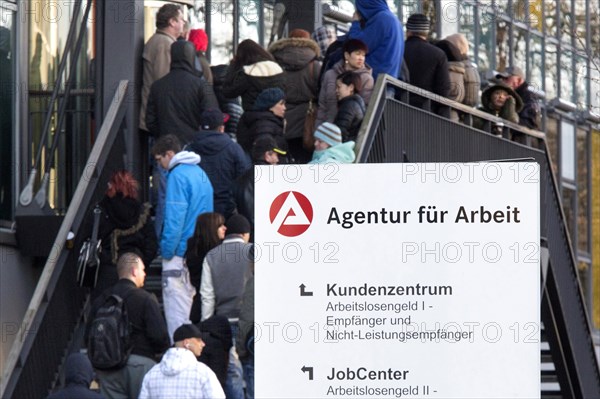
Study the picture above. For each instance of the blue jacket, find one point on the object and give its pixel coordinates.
(223, 160)
(341, 153)
(382, 32)
(189, 193)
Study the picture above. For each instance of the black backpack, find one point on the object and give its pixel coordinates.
(109, 342)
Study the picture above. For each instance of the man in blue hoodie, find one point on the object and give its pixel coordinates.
(189, 193)
(376, 25)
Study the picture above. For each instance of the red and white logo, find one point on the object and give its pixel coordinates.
(292, 213)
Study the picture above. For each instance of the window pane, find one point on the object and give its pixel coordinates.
(487, 47)
(46, 49)
(502, 50)
(595, 184)
(248, 21)
(221, 35)
(551, 87)
(536, 14)
(552, 140)
(550, 17)
(595, 27)
(520, 47)
(568, 202)
(580, 32)
(584, 278)
(566, 76)
(7, 91)
(467, 26)
(567, 150)
(566, 23)
(595, 86)
(582, 191)
(581, 76)
(536, 64)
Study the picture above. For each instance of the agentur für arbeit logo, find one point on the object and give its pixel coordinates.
(291, 213)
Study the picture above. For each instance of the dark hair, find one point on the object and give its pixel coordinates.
(123, 182)
(249, 52)
(205, 234)
(168, 142)
(165, 14)
(351, 78)
(352, 45)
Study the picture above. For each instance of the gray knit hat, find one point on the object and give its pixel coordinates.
(418, 23)
(329, 133)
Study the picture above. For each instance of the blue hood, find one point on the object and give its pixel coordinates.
(368, 8)
(78, 370)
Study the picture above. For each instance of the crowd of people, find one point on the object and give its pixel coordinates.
(301, 100)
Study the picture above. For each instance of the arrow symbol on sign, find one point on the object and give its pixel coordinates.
(310, 371)
(303, 292)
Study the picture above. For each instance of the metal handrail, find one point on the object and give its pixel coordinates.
(375, 107)
(28, 331)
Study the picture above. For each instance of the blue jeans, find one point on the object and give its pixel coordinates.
(234, 385)
(248, 367)
(159, 183)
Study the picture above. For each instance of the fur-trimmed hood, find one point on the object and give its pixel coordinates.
(294, 53)
(263, 69)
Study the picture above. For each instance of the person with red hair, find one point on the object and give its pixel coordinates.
(200, 40)
(125, 226)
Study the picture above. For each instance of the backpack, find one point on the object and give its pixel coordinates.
(109, 341)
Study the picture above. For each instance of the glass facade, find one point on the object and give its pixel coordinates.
(8, 89)
(48, 26)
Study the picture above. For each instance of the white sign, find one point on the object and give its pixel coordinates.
(397, 280)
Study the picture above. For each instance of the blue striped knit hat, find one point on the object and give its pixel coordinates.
(329, 133)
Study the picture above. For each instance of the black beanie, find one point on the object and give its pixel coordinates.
(237, 224)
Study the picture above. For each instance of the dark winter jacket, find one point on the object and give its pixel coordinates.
(216, 334)
(382, 32)
(351, 111)
(126, 226)
(250, 80)
(428, 68)
(298, 58)
(149, 334)
(223, 160)
(243, 195)
(177, 100)
(231, 106)
(78, 377)
(254, 123)
(530, 115)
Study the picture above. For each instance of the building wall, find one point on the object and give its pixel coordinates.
(18, 279)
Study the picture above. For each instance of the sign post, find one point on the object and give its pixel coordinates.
(397, 280)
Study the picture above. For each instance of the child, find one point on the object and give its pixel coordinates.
(329, 146)
(351, 106)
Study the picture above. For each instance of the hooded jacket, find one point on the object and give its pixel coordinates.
(341, 153)
(78, 376)
(177, 100)
(180, 375)
(510, 110)
(382, 32)
(189, 193)
(299, 59)
(250, 80)
(223, 160)
(126, 226)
